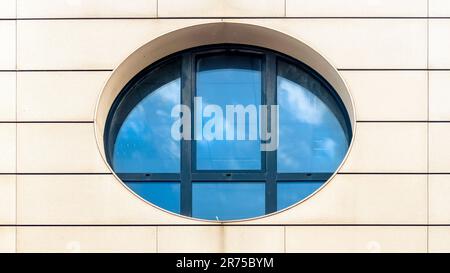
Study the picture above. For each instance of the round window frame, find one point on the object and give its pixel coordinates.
(124, 71)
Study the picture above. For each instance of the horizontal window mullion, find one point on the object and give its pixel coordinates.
(303, 176)
(210, 177)
(144, 177)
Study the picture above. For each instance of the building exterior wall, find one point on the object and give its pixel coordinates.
(391, 194)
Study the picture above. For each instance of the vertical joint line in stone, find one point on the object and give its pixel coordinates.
(428, 125)
(16, 144)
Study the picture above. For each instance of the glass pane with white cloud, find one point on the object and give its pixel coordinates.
(312, 131)
(228, 80)
(144, 143)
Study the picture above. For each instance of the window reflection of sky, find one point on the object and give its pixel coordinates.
(163, 194)
(144, 143)
(227, 200)
(311, 137)
(229, 86)
(290, 193)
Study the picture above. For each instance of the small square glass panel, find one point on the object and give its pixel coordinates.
(289, 193)
(162, 194)
(228, 200)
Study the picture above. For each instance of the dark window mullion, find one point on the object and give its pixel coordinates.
(148, 177)
(187, 75)
(270, 88)
(286, 177)
(241, 177)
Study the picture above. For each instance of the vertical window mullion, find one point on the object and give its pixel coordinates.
(270, 86)
(187, 74)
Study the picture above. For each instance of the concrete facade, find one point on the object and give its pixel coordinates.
(391, 194)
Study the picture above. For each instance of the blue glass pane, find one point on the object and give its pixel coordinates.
(227, 200)
(165, 195)
(313, 128)
(289, 193)
(229, 80)
(144, 143)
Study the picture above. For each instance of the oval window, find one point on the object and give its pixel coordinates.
(226, 132)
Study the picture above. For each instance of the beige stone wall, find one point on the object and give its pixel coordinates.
(392, 193)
